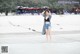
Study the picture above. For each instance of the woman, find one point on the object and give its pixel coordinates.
(47, 23)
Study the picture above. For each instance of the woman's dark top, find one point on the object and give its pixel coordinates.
(47, 20)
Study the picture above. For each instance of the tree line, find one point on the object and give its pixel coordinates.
(10, 5)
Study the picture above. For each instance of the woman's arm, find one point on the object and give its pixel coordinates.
(43, 12)
(49, 12)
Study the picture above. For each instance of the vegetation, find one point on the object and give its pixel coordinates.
(10, 5)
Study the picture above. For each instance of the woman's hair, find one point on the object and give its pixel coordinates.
(47, 10)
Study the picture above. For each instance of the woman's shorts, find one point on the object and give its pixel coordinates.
(47, 25)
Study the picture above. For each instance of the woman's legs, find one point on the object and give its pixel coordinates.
(48, 35)
(48, 31)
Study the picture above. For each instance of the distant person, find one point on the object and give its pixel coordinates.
(47, 24)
